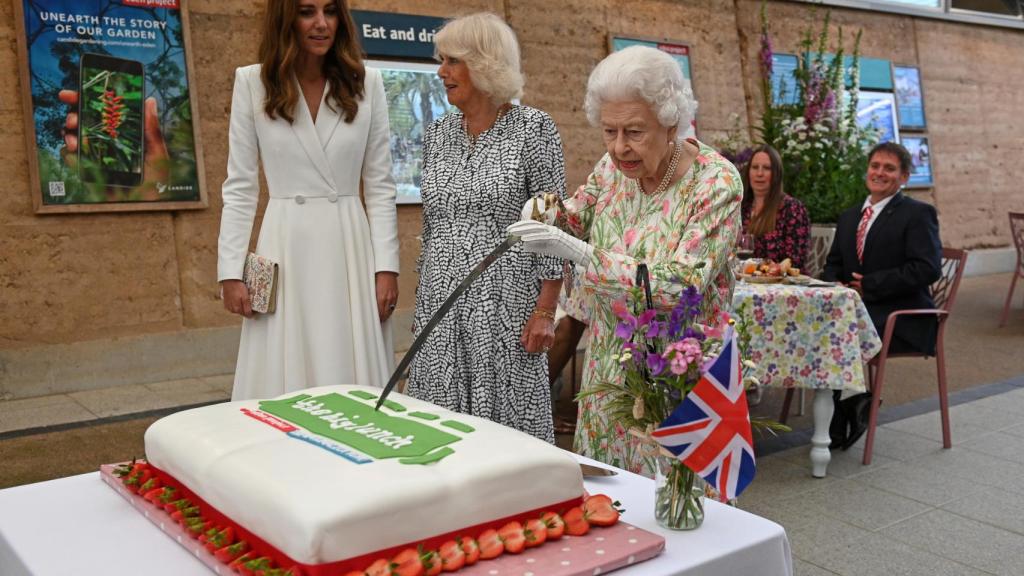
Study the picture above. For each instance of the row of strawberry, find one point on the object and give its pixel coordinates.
(220, 541)
(513, 538)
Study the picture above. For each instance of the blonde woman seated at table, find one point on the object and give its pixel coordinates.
(654, 198)
(779, 223)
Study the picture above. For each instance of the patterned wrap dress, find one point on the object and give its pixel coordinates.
(473, 361)
(695, 220)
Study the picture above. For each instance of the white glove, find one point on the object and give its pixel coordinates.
(542, 207)
(541, 238)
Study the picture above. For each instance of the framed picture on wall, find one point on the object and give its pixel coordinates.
(909, 97)
(416, 97)
(878, 110)
(921, 161)
(110, 115)
(680, 51)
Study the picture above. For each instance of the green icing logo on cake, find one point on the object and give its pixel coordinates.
(336, 418)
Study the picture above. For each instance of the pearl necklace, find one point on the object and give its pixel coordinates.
(672, 163)
(470, 138)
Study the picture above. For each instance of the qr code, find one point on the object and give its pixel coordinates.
(57, 188)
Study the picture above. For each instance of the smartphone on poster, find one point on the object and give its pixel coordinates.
(110, 120)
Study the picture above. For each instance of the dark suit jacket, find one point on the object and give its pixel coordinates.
(902, 258)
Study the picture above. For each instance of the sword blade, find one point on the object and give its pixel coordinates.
(441, 312)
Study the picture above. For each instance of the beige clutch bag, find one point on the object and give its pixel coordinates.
(260, 277)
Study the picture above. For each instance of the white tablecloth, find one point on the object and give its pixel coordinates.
(79, 526)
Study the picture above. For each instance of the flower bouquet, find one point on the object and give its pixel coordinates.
(664, 356)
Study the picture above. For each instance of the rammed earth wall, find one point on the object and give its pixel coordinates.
(88, 301)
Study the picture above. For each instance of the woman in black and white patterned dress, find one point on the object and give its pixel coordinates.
(481, 163)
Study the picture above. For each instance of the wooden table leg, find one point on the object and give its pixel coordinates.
(820, 455)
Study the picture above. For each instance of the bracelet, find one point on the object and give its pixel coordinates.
(544, 313)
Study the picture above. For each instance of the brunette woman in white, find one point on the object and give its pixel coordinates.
(317, 119)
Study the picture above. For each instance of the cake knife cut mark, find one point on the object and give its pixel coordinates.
(441, 312)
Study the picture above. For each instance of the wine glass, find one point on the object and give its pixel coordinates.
(745, 246)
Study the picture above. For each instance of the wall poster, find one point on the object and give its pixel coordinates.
(416, 97)
(921, 161)
(878, 110)
(110, 118)
(909, 98)
(680, 51)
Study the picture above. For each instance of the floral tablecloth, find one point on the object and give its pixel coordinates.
(804, 337)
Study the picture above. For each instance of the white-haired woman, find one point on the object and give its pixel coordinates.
(654, 198)
(481, 163)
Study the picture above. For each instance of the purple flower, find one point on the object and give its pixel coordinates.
(766, 55)
(656, 364)
(623, 331)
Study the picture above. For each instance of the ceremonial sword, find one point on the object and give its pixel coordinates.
(442, 311)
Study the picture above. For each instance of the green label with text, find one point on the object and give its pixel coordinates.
(357, 425)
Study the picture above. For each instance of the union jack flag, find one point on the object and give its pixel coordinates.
(710, 429)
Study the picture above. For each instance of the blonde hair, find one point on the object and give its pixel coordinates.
(490, 50)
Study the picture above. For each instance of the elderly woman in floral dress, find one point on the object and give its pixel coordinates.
(655, 199)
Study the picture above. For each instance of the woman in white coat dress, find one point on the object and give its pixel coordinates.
(318, 121)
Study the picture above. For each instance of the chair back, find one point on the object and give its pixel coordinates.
(944, 289)
(821, 243)
(1017, 231)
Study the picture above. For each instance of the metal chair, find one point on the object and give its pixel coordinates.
(1017, 231)
(944, 294)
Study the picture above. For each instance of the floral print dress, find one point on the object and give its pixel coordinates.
(791, 237)
(695, 221)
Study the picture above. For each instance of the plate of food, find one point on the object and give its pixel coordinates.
(768, 272)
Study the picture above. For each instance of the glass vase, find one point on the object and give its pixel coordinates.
(678, 495)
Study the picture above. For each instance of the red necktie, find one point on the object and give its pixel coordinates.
(862, 230)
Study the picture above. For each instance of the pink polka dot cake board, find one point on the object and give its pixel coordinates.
(600, 551)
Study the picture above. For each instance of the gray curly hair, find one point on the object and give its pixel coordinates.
(645, 73)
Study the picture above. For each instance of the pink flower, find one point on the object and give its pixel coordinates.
(682, 354)
(630, 236)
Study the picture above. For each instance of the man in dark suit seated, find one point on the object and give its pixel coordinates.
(888, 250)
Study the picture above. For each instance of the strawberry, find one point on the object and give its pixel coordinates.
(379, 568)
(513, 537)
(407, 563)
(599, 510)
(471, 548)
(150, 485)
(138, 479)
(197, 526)
(179, 504)
(153, 494)
(228, 553)
(238, 562)
(452, 556)
(255, 566)
(179, 516)
(536, 532)
(431, 562)
(220, 539)
(555, 525)
(355, 573)
(170, 495)
(575, 522)
(490, 544)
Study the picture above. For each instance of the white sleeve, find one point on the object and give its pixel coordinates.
(241, 189)
(378, 184)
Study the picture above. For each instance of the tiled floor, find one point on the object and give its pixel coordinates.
(917, 509)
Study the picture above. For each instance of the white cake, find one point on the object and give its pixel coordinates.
(322, 500)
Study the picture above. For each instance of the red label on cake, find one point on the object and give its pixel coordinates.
(173, 4)
(269, 419)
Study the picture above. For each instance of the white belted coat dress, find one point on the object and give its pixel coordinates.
(326, 328)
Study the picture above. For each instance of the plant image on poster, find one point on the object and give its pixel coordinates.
(878, 110)
(416, 97)
(679, 51)
(111, 111)
(921, 161)
(909, 100)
